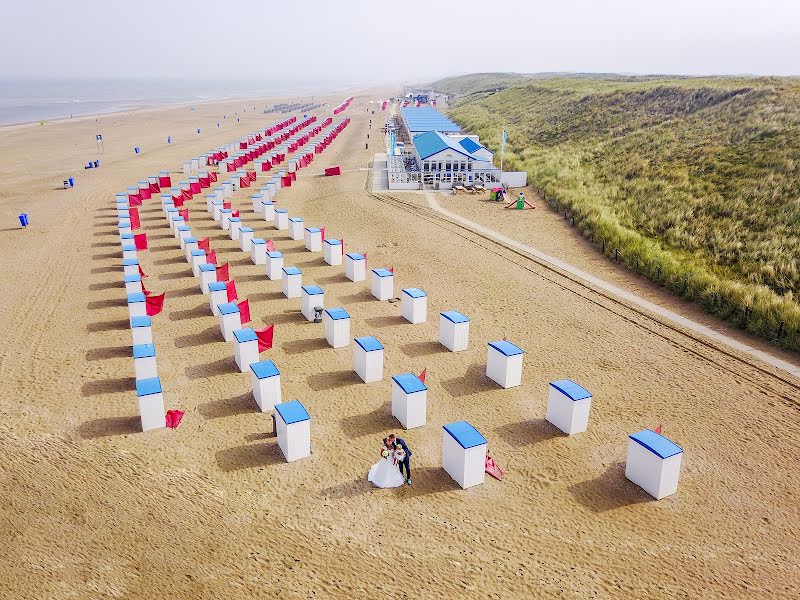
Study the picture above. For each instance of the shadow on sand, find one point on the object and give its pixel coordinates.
(110, 426)
(609, 491)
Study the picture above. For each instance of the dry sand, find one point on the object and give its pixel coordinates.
(92, 508)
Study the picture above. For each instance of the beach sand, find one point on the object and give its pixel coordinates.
(93, 508)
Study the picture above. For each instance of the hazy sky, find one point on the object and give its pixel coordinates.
(385, 41)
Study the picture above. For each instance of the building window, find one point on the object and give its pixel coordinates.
(425, 166)
(448, 166)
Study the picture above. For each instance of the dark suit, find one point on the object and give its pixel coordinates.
(407, 460)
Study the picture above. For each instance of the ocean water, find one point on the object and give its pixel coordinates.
(25, 101)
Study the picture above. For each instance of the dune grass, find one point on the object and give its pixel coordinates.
(694, 183)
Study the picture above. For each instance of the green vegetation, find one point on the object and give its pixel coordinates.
(694, 183)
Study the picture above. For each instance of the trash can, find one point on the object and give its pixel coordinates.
(23, 219)
(520, 203)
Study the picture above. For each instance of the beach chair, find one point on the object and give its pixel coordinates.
(458, 189)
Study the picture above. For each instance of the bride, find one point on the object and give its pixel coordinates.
(385, 473)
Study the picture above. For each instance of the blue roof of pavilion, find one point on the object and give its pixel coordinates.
(427, 118)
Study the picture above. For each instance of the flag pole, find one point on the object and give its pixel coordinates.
(502, 148)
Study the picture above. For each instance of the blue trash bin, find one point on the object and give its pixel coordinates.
(136, 149)
(23, 219)
(71, 182)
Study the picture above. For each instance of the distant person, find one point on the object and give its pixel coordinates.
(406, 462)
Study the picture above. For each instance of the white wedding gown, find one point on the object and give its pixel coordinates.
(386, 474)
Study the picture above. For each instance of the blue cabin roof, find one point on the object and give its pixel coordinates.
(130, 262)
(264, 369)
(333, 242)
(383, 272)
(434, 142)
(465, 434)
(369, 343)
(206, 267)
(414, 292)
(281, 210)
(292, 412)
(313, 230)
(146, 387)
(455, 317)
(134, 298)
(141, 322)
(312, 290)
(409, 383)
(144, 351)
(133, 278)
(656, 443)
(198, 252)
(246, 230)
(258, 241)
(189, 240)
(570, 389)
(506, 348)
(355, 256)
(228, 308)
(337, 313)
(245, 335)
(126, 236)
(292, 271)
(274, 254)
(296, 219)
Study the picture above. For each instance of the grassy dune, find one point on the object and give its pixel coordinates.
(694, 183)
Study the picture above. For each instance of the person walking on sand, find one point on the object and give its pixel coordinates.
(406, 461)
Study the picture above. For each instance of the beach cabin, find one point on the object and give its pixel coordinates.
(311, 298)
(256, 199)
(124, 226)
(130, 266)
(151, 403)
(182, 232)
(133, 283)
(292, 281)
(268, 210)
(355, 266)
(336, 322)
(368, 359)
(216, 210)
(234, 225)
(313, 239)
(382, 284)
(175, 222)
(274, 265)
(293, 428)
(189, 244)
(332, 252)
(453, 331)
(137, 307)
(217, 294)
(258, 251)
(245, 348)
(504, 363)
(296, 228)
(409, 400)
(414, 305)
(208, 275)
(568, 406)
(141, 328)
(281, 220)
(464, 454)
(266, 380)
(653, 463)
(198, 258)
(229, 320)
(225, 215)
(144, 361)
(245, 238)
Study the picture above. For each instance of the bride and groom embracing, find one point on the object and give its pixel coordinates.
(388, 471)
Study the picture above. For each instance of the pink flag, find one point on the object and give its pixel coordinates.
(322, 229)
(235, 213)
(265, 337)
(226, 205)
(657, 429)
(154, 304)
(423, 374)
(133, 213)
(230, 287)
(365, 260)
(184, 213)
(177, 202)
(270, 246)
(211, 257)
(223, 273)
(173, 418)
(244, 311)
(203, 244)
(140, 241)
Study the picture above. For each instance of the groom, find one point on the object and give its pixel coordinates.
(407, 460)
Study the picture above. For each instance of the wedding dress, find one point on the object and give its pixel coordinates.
(386, 474)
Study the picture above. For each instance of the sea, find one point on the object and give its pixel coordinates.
(27, 101)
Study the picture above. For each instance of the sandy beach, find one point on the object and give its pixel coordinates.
(91, 507)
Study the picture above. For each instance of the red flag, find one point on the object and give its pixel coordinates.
(141, 273)
(235, 213)
(184, 213)
(173, 418)
(657, 429)
(211, 257)
(140, 241)
(177, 202)
(203, 244)
(322, 229)
(270, 246)
(230, 287)
(135, 202)
(365, 260)
(423, 374)
(226, 205)
(244, 311)
(223, 272)
(265, 337)
(154, 304)
(133, 213)
(342, 246)
(145, 291)
(391, 270)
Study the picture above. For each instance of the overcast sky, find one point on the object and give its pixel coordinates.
(384, 41)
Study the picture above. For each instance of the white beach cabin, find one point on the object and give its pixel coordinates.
(246, 238)
(208, 275)
(229, 320)
(414, 305)
(144, 361)
(274, 265)
(151, 403)
(382, 284)
(311, 298)
(313, 239)
(355, 266)
(293, 427)
(268, 210)
(245, 348)
(281, 220)
(189, 244)
(133, 284)
(130, 266)
(137, 307)
(409, 400)
(234, 226)
(142, 330)
(568, 406)
(292, 281)
(368, 359)
(464, 454)
(217, 294)
(128, 251)
(504, 363)
(654, 463)
(266, 380)
(258, 251)
(453, 331)
(198, 258)
(296, 228)
(336, 322)
(332, 252)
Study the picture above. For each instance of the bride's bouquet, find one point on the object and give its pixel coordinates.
(385, 453)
